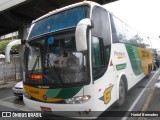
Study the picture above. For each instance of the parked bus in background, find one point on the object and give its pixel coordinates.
(98, 58)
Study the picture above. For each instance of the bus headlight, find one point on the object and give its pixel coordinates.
(78, 100)
(26, 94)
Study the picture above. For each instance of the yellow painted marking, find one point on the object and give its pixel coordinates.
(146, 57)
(38, 93)
(120, 57)
(107, 95)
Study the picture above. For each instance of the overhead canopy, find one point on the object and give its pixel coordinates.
(13, 15)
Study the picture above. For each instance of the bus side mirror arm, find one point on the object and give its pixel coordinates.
(81, 34)
(8, 48)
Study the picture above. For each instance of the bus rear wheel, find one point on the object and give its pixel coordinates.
(122, 94)
(149, 71)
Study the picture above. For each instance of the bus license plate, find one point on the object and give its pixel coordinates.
(46, 109)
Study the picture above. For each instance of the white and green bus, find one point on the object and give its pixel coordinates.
(96, 59)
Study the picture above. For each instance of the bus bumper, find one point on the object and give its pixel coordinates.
(84, 110)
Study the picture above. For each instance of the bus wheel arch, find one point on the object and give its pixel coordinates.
(122, 90)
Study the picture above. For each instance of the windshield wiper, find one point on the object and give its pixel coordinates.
(33, 69)
(54, 74)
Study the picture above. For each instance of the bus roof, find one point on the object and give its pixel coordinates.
(65, 8)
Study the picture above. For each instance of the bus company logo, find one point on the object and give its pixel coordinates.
(44, 97)
(119, 55)
(106, 95)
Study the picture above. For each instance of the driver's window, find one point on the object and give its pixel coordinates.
(96, 55)
(98, 60)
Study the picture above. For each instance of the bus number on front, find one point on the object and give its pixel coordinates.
(34, 92)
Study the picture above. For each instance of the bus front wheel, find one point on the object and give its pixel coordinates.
(122, 94)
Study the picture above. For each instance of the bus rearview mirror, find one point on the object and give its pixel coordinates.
(81, 34)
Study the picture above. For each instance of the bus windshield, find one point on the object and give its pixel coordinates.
(53, 60)
(51, 56)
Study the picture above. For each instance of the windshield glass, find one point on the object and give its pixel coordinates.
(54, 61)
(60, 21)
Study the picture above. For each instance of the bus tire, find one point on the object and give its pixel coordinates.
(149, 71)
(122, 94)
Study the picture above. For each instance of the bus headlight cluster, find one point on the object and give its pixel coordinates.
(26, 94)
(78, 100)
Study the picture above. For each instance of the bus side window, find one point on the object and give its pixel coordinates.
(107, 53)
(98, 60)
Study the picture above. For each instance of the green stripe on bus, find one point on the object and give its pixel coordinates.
(53, 92)
(134, 59)
(63, 92)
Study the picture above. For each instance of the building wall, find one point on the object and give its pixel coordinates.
(10, 71)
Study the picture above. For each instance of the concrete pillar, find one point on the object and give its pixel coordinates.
(23, 32)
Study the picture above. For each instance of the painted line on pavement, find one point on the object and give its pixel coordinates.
(146, 105)
(14, 106)
(7, 98)
(136, 101)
